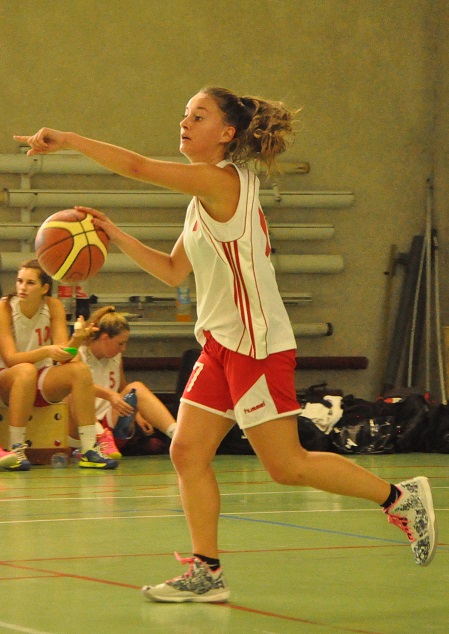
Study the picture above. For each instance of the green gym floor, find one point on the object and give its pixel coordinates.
(76, 546)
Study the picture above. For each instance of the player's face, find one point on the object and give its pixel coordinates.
(204, 134)
(113, 345)
(29, 286)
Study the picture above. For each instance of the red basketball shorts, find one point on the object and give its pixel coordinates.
(41, 400)
(249, 391)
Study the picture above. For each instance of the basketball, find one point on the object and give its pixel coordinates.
(69, 247)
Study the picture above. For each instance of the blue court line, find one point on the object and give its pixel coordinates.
(313, 529)
(309, 528)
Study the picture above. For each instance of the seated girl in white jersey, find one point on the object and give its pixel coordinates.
(33, 354)
(102, 353)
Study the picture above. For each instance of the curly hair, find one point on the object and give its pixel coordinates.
(112, 323)
(263, 129)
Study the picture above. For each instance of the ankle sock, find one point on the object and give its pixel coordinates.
(88, 437)
(73, 443)
(391, 499)
(213, 564)
(17, 435)
(170, 430)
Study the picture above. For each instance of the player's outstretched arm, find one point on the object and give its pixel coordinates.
(117, 159)
(198, 179)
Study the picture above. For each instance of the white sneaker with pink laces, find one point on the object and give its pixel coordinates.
(199, 584)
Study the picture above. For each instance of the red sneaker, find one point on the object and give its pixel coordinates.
(7, 458)
(107, 444)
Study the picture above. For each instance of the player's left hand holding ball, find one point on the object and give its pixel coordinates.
(102, 221)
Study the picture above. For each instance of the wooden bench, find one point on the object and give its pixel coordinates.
(47, 430)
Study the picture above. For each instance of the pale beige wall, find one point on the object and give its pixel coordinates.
(363, 72)
(441, 155)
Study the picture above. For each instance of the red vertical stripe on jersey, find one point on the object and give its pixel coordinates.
(241, 297)
(263, 224)
(246, 308)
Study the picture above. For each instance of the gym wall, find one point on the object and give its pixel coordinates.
(370, 77)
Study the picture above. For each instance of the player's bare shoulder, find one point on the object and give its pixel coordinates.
(55, 306)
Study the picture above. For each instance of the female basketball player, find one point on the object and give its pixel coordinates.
(34, 335)
(246, 369)
(102, 353)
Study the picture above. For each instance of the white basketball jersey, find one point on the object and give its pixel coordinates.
(105, 373)
(238, 299)
(31, 333)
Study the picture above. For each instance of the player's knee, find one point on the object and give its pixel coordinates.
(186, 458)
(80, 372)
(26, 373)
(179, 454)
(290, 473)
(138, 386)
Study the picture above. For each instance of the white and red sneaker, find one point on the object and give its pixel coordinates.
(413, 513)
(199, 584)
(107, 445)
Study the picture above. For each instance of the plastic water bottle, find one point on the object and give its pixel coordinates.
(76, 456)
(121, 429)
(59, 460)
(183, 302)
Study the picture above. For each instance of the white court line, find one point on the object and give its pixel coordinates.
(88, 519)
(99, 498)
(171, 515)
(19, 628)
(150, 497)
(181, 515)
